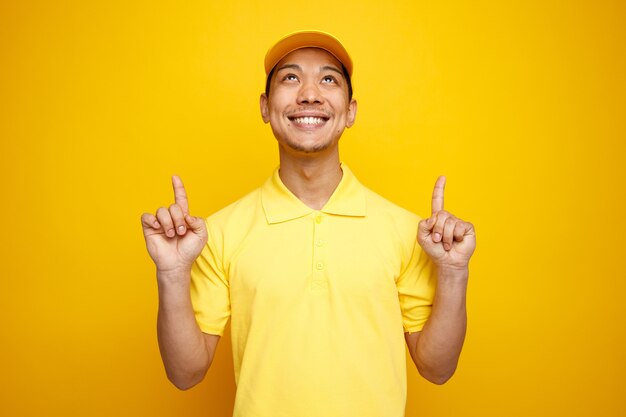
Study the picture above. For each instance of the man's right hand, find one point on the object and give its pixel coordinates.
(174, 238)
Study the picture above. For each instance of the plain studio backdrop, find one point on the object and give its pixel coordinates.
(519, 103)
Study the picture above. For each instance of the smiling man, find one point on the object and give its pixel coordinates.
(323, 280)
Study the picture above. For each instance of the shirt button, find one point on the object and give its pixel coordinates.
(319, 266)
(318, 219)
(319, 242)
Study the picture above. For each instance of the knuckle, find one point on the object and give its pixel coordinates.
(161, 214)
(147, 218)
(443, 216)
(164, 217)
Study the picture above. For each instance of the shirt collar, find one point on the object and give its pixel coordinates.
(281, 205)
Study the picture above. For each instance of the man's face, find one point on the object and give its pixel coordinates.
(308, 106)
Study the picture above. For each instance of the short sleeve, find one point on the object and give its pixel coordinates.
(210, 289)
(416, 290)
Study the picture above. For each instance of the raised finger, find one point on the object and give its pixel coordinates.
(163, 216)
(448, 232)
(178, 217)
(437, 202)
(180, 195)
(149, 220)
(440, 221)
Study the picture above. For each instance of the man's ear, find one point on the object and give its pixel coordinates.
(265, 114)
(351, 113)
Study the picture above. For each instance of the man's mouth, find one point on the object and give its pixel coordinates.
(308, 120)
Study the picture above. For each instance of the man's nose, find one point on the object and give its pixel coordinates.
(309, 93)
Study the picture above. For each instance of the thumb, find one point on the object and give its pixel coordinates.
(424, 228)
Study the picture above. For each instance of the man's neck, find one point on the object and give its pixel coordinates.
(313, 179)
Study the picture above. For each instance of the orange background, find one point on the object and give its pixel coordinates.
(520, 103)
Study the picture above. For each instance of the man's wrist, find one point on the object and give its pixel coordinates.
(452, 273)
(173, 278)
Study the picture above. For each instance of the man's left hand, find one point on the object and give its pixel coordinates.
(448, 240)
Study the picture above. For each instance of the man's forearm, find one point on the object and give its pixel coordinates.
(181, 342)
(439, 345)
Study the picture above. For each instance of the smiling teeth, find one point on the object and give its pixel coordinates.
(309, 120)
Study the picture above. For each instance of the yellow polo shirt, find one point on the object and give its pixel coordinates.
(318, 300)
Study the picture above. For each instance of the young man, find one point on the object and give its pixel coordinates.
(319, 276)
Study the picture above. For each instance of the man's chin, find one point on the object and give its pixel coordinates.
(308, 149)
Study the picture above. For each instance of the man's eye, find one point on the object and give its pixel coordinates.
(290, 77)
(329, 79)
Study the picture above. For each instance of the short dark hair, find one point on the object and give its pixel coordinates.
(343, 69)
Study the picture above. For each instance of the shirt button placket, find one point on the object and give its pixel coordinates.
(319, 277)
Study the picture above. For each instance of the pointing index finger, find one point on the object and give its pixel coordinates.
(437, 203)
(180, 195)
